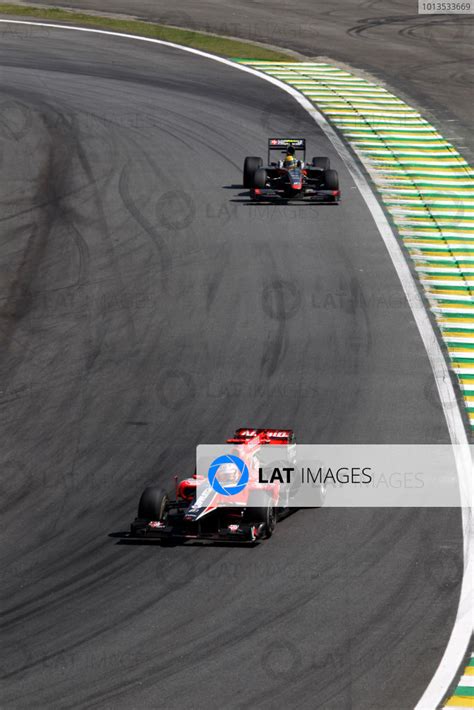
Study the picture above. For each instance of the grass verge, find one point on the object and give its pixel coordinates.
(209, 43)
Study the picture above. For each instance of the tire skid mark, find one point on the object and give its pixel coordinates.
(161, 247)
(18, 301)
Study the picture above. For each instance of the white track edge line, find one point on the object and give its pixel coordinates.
(461, 633)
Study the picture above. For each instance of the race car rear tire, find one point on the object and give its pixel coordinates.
(251, 165)
(321, 163)
(152, 504)
(262, 510)
(331, 180)
(260, 178)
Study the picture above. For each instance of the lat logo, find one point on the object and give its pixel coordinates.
(279, 475)
(226, 460)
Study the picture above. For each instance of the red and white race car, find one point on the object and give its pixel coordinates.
(250, 516)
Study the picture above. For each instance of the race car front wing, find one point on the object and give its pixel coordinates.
(185, 530)
(268, 193)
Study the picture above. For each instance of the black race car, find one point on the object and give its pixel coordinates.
(275, 182)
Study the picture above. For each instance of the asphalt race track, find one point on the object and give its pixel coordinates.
(147, 307)
(428, 58)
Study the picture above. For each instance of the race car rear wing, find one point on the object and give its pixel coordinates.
(267, 436)
(281, 144)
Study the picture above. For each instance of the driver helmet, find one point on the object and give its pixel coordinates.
(290, 160)
(229, 473)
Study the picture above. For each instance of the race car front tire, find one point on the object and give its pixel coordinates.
(152, 505)
(260, 178)
(251, 165)
(262, 510)
(321, 163)
(331, 180)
